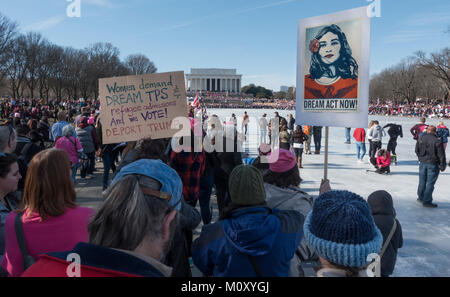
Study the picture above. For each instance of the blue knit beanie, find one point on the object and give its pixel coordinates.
(341, 229)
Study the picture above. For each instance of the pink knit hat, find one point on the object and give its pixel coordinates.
(285, 162)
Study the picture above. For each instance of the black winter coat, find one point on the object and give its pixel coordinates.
(394, 130)
(383, 212)
(178, 254)
(228, 160)
(429, 149)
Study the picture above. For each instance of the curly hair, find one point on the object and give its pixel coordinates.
(346, 65)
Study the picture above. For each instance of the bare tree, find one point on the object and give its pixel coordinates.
(140, 64)
(48, 57)
(58, 73)
(438, 64)
(8, 32)
(35, 47)
(74, 76)
(30, 64)
(103, 62)
(16, 66)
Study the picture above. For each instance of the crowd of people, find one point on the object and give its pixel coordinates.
(417, 109)
(267, 225)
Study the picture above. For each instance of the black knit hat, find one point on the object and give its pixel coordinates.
(246, 186)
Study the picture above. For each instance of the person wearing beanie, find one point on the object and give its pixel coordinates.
(341, 229)
(382, 207)
(283, 170)
(250, 239)
(282, 192)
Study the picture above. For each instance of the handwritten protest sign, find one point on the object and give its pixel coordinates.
(140, 106)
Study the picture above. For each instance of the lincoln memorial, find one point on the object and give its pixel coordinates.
(213, 80)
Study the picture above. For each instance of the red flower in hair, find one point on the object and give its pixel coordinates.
(314, 46)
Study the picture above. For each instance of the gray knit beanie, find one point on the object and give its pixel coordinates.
(246, 186)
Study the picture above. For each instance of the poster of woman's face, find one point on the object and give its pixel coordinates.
(333, 69)
(331, 60)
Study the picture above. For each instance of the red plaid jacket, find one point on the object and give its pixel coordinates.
(190, 167)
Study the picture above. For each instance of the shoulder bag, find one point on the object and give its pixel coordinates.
(27, 260)
(81, 155)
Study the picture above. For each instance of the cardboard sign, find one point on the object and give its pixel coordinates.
(333, 69)
(140, 106)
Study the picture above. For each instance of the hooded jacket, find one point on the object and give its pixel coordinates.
(292, 198)
(269, 236)
(376, 133)
(359, 134)
(383, 212)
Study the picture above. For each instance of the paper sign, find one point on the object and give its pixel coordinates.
(140, 106)
(333, 69)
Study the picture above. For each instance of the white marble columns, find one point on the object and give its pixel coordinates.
(213, 80)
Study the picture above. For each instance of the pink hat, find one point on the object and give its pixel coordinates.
(17, 115)
(91, 121)
(264, 148)
(285, 162)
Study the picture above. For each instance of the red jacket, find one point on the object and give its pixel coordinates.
(96, 261)
(417, 129)
(359, 134)
(381, 162)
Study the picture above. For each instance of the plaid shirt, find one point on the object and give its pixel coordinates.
(190, 167)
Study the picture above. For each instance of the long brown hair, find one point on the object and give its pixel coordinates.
(48, 186)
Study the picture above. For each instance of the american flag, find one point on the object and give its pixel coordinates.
(196, 101)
